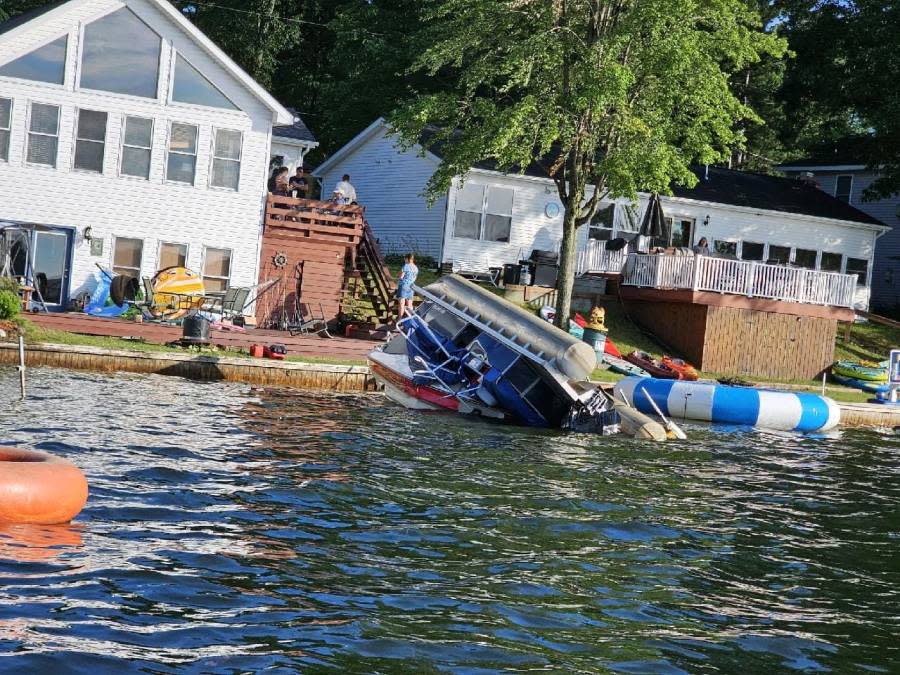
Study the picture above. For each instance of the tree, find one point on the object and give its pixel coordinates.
(608, 97)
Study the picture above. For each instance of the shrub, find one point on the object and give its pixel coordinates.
(9, 284)
(9, 305)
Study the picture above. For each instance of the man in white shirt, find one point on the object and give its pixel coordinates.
(346, 187)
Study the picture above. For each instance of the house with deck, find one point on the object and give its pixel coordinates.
(128, 140)
(846, 177)
(788, 261)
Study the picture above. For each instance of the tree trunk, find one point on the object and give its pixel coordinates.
(568, 258)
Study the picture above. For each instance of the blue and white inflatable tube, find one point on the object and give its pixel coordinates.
(721, 404)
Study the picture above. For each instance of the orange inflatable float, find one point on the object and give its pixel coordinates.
(39, 488)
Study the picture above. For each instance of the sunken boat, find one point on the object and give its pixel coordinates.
(469, 351)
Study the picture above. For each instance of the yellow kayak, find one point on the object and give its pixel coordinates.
(176, 291)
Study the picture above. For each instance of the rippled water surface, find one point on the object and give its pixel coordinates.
(238, 530)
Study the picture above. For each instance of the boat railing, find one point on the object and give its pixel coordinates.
(741, 277)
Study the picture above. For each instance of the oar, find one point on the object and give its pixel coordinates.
(670, 425)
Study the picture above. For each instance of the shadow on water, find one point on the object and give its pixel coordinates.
(232, 529)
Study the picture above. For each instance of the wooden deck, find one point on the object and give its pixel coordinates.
(300, 345)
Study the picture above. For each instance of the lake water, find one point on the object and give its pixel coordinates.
(237, 530)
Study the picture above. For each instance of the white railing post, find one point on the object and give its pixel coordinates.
(695, 272)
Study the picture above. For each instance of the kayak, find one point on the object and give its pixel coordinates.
(864, 385)
(653, 367)
(621, 366)
(857, 371)
(684, 369)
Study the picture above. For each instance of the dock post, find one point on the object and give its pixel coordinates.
(21, 367)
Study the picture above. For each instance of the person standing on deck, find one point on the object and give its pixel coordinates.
(702, 247)
(347, 188)
(299, 184)
(405, 286)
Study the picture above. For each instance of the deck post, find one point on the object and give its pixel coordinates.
(695, 273)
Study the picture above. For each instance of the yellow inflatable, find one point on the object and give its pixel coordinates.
(176, 291)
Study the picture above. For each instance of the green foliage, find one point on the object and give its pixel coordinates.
(10, 305)
(9, 284)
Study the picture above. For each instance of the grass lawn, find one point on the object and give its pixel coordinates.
(869, 342)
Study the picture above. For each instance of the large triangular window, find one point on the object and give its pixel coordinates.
(44, 64)
(121, 55)
(192, 87)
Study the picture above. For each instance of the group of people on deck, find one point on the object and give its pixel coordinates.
(282, 184)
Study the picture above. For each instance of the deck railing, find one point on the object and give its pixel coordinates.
(741, 277)
(595, 259)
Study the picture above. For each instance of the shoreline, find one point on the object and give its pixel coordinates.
(320, 376)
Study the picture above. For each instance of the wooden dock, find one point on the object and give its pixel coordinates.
(873, 415)
(263, 372)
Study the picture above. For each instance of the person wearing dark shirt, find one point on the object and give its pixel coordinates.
(299, 184)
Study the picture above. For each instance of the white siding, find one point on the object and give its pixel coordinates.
(390, 184)
(886, 279)
(531, 228)
(153, 210)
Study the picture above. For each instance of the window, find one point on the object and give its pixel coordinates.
(43, 134)
(843, 187)
(779, 255)
(137, 144)
(90, 141)
(226, 165)
(44, 64)
(681, 230)
(602, 223)
(726, 249)
(831, 262)
(752, 251)
(216, 269)
(121, 55)
(5, 125)
(805, 258)
(127, 254)
(484, 213)
(498, 215)
(181, 165)
(860, 267)
(172, 255)
(192, 87)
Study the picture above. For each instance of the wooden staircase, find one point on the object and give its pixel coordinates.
(324, 255)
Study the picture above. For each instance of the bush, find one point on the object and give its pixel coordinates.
(9, 284)
(9, 305)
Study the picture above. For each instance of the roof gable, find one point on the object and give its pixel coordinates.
(34, 19)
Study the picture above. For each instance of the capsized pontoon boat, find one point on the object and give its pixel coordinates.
(467, 350)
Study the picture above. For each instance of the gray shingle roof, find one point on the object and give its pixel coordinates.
(297, 131)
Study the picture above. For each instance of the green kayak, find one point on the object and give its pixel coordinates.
(858, 371)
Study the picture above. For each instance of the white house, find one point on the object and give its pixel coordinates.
(291, 143)
(129, 139)
(494, 218)
(845, 176)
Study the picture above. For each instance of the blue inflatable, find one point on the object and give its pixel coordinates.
(719, 403)
(97, 306)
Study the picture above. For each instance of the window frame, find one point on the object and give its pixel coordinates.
(815, 265)
(837, 180)
(213, 158)
(170, 89)
(204, 275)
(764, 254)
(40, 83)
(8, 129)
(112, 259)
(719, 254)
(29, 132)
(79, 56)
(159, 248)
(787, 261)
(196, 154)
(76, 140)
(123, 145)
(840, 267)
(692, 229)
(487, 187)
(866, 281)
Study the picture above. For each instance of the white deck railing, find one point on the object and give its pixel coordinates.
(741, 277)
(595, 259)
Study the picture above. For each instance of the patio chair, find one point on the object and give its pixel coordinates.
(308, 323)
(234, 301)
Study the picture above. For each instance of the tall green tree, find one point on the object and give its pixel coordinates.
(609, 97)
